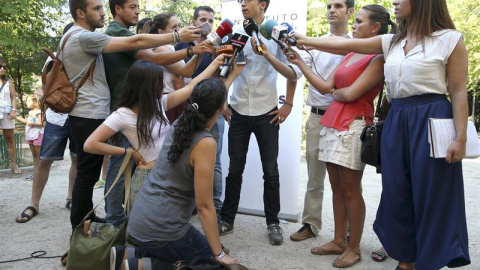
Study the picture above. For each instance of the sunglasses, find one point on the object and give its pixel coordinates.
(4, 67)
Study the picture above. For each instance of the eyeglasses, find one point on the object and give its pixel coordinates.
(4, 67)
(246, 1)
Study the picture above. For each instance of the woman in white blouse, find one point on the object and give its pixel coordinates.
(421, 217)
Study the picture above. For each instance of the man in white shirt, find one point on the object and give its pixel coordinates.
(254, 109)
(323, 63)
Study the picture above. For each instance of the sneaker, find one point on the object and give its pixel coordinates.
(118, 254)
(305, 232)
(275, 234)
(224, 228)
(29, 177)
(132, 263)
(100, 183)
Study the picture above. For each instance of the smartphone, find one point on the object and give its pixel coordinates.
(205, 29)
(240, 58)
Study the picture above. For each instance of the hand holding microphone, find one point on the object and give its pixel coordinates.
(238, 42)
(252, 30)
(290, 31)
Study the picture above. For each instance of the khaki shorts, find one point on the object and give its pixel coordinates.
(342, 147)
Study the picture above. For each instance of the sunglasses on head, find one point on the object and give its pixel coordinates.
(2, 66)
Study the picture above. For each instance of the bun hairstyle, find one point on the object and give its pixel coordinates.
(207, 97)
(377, 13)
(160, 21)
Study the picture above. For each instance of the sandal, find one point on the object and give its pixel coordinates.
(379, 255)
(15, 168)
(341, 263)
(323, 251)
(68, 205)
(27, 216)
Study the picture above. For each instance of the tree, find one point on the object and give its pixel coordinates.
(25, 27)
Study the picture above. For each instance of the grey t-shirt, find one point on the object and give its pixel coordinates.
(165, 202)
(93, 98)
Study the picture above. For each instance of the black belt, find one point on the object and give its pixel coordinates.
(317, 111)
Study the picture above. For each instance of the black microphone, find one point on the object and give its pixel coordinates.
(225, 47)
(238, 42)
(252, 29)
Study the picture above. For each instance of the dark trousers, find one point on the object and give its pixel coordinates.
(88, 168)
(241, 128)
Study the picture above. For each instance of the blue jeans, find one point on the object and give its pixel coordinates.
(241, 128)
(191, 245)
(55, 140)
(217, 133)
(113, 203)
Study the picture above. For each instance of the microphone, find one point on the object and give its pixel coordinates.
(223, 29)
(225, 47)
(290, 40)
(252, 29)
(267, 35)
(238, 42)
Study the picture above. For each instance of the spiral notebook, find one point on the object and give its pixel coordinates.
(441, 133)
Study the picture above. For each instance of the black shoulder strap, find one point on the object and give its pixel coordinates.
(3, 85)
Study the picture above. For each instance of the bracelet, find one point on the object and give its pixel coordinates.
(190, 52)
(219, 256)
(14, 110)
(288, 104)
(176, 38)
(125, 151)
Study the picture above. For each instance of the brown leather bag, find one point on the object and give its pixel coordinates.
(59, 93)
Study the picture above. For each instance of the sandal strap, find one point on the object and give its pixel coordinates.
(31, 208)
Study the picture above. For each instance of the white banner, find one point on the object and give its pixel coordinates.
(251, 200)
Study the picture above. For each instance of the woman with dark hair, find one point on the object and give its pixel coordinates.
(167, 22)
(141, 117)
(421, 218)
(8, 113)
(181, 180)
(353, 85)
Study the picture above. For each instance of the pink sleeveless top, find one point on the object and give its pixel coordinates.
(340, 115)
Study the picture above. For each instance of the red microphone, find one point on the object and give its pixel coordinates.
(223, 29)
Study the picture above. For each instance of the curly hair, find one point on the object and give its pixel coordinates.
(206, 98)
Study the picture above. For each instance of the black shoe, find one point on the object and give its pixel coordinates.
(224, 228)
(275, 234)
(97, 219)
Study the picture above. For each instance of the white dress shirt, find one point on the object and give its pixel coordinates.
(421, 71)
(255, 89)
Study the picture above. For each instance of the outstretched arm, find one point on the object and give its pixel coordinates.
(371, 45)
(279, 66)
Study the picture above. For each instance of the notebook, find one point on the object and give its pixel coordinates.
(441, 133)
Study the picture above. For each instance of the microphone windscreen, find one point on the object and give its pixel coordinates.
(269, 24)
(224, 29)
(290, 28)
(228, 21)
(265, 33)
(249, 26)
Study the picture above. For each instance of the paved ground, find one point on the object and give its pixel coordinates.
(50, 230)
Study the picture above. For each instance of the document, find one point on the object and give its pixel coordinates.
(441, 133)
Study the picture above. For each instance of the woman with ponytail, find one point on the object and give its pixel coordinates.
(141, 117)
(421, 218)
(182, 179)
(353, 85)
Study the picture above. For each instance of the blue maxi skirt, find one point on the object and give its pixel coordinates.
(421, 216)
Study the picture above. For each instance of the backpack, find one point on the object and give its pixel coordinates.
(59, 92)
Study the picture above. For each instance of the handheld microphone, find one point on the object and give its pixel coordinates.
(225, 47)
(267, 35)
(252, 29)
(290, 40)
(238, 42)
(223, 29)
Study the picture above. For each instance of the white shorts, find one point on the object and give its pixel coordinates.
(342, 147)
(5, 123)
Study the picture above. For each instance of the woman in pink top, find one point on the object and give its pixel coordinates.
(354, 85)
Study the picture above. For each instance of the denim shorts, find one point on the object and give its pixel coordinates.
(55, 140)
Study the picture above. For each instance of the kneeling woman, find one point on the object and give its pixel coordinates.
(181, 179)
